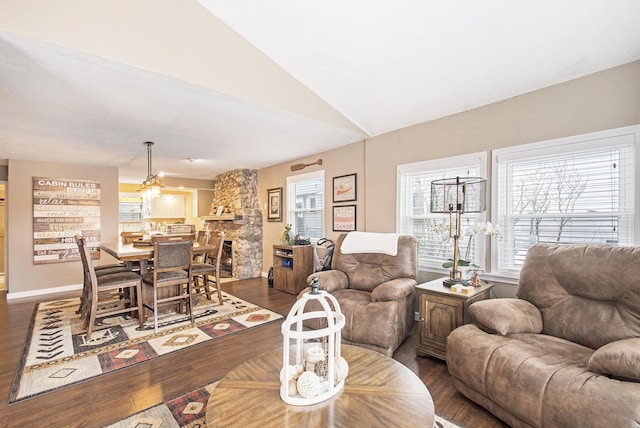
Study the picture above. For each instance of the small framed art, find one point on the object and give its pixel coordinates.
(274, 209)
(344, 188)
(344, 218)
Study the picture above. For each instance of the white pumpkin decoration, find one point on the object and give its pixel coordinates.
(308, 384)
(293, 387)
(341, 369)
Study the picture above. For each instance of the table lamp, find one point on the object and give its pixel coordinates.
(457, 196)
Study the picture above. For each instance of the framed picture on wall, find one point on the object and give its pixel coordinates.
(344, 218)
(274, 201)
(344, 188)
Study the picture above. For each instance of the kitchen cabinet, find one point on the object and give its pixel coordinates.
(165, 206)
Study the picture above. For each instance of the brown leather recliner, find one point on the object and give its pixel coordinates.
(566, 352)
(375, 293)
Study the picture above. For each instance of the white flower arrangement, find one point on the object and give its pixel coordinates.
(480, 228)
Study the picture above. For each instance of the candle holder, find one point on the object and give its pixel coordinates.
(312, 368)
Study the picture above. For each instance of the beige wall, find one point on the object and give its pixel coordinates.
(605, 100)
(23, 277)
(342, 161)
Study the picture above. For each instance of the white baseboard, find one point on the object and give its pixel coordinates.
(44, 291)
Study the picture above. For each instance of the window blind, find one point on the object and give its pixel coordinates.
(578, 192)
(430, 229)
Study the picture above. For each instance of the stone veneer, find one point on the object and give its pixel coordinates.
(238, 190)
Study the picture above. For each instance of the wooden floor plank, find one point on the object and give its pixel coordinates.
(114, 396)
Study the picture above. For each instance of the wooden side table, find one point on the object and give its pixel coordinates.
(379, 391)
(441, 311)
(291, 267)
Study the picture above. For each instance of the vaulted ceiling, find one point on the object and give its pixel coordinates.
(225, 84)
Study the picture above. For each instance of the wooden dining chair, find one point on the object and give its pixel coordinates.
(171, 272)
(108, 294)
(202, 238)
(99, 270)
(208, 270)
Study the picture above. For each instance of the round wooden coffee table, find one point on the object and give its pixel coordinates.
(379, 391)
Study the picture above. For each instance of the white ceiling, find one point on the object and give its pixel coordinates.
(253, 83)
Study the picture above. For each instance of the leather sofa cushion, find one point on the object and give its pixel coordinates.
(365, 271)
(541, 380)
(577, 287)
(367, 321)
(620, 359)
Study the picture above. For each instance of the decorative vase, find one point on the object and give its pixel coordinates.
(287, 236)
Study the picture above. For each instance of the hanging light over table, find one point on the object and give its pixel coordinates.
(151, 186)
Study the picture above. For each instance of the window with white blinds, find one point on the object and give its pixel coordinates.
(305, 204)
(568, 191)
(413, 209)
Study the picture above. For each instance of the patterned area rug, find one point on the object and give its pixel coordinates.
(57, 352)
(190, 411)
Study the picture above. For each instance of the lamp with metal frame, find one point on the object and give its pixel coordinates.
(456, 196)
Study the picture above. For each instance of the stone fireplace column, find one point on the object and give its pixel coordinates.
(238, 191)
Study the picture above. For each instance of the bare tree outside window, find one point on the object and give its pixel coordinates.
(578, 192)
(548, 189)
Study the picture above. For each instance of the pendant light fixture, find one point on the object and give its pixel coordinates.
(151, 186)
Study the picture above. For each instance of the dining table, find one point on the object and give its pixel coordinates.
(129, 253)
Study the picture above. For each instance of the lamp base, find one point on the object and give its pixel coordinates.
(448, 282)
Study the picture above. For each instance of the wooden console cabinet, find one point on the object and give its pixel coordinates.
(291, 267)
(441, 311)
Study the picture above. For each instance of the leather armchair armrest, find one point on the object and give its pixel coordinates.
(506, 315)
(393, 290)
(620, 359)
(330, 280)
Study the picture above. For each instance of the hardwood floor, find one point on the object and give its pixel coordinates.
(112, 397)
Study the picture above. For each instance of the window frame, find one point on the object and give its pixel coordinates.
(291, 200)
(479, 160)
(561, 146)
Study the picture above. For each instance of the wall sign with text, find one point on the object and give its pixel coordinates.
(63, 208)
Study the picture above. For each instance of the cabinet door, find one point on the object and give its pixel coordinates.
(158, 207)
(167, 206)
(283, 279)
(441, 317)
(175, 207)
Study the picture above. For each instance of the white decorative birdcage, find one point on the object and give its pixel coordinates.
(312, 368)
